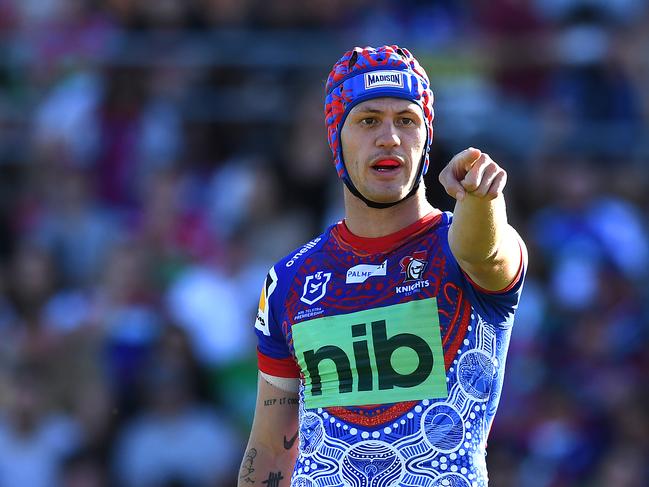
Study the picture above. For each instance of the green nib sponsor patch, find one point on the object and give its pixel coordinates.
(376, 356)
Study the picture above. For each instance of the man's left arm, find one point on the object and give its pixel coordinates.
(486, 247)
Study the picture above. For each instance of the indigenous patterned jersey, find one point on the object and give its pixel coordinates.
(400, 357)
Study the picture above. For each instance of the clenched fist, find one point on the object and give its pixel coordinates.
(474, 172)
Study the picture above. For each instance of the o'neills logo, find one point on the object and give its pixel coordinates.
(303, 251)
(377, 79)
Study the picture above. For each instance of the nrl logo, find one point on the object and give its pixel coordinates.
(315, 287)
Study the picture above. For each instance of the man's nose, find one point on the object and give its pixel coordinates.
(388, 136)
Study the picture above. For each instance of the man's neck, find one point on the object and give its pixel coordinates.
(364, 221)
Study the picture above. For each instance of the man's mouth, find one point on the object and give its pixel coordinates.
(385, 165)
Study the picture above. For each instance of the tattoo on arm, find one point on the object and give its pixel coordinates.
(281, 401)
(288, 444)
(273, 479)
(247, 466)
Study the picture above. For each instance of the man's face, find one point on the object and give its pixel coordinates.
(382, 144)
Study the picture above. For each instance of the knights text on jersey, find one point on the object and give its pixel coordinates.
(400, 357)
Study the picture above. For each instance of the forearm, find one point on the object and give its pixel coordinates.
(273, 444)
(479, 228)
(486, 247)
(262, 464)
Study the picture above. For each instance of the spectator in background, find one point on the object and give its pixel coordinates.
(31, 282)
(75, 230)
(226, 13)
(68, 109)
(98, 418)
(591, 93)
(175, 437)
(120, 125)
(624, 466)
(204, 301)
(517, 36)
(123, 311)
(82, 469)
(172, 230)
(584, 232)
(34, 440)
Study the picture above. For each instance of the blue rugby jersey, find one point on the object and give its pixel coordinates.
(400, 357)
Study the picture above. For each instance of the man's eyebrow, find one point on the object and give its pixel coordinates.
(408, 110)
(369, 110)
(376, 110)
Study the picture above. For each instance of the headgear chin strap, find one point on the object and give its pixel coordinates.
(375, 204)
(364, 74)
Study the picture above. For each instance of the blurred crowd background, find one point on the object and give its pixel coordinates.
(157, 156)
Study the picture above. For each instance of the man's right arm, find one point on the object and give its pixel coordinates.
(272, 447)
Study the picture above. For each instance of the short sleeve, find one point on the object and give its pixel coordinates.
(500, 306)
(273, 355)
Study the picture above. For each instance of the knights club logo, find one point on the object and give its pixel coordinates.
(315, 287)
(413, 266)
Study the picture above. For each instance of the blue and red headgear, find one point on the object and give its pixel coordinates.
(363, 74)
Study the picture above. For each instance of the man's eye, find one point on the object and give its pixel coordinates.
(407, 121)
(368, 121)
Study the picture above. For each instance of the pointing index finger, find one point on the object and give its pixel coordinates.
(456, 170)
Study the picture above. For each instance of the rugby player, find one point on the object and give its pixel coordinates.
(382, 342)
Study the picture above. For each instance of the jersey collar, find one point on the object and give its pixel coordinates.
(377, 245)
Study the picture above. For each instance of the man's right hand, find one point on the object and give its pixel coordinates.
(473, 171)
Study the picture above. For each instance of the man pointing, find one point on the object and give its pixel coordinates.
(382, 342)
